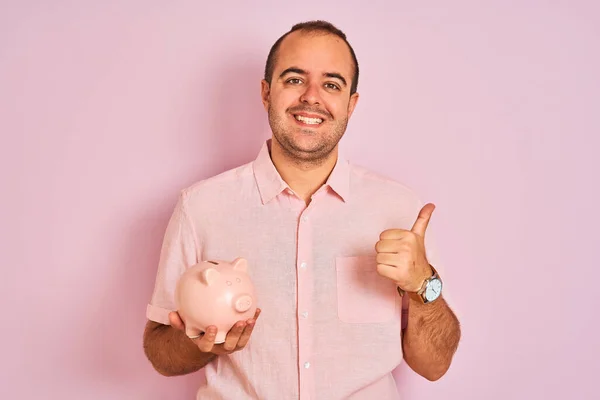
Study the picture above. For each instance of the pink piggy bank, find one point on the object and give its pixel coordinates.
(215, 293)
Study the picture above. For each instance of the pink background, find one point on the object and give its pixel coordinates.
(488, 109)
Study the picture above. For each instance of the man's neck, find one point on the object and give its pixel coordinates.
(304, 178)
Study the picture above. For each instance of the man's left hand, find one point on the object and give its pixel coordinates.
(401, 253)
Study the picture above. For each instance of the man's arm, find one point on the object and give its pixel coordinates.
(432, 332)
(431, 338)
(171, 352)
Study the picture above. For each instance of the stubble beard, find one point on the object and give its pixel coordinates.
(313, 157)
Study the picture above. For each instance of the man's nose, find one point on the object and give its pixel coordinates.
(311, 95)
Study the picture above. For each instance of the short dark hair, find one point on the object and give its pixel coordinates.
(311, 26)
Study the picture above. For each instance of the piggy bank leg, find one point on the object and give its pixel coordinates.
(192, 333)
(220, 337)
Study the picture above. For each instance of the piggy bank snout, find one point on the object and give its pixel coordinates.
(242, 303)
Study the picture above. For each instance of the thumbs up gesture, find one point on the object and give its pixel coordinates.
(401, 253)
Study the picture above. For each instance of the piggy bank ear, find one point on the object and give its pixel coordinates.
(240, 264)
(209, 276)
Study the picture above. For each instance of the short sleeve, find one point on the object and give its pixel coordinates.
(178, 252)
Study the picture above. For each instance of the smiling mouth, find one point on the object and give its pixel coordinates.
(308, 120)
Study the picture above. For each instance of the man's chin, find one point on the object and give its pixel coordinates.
(305, 146)
(309, 153)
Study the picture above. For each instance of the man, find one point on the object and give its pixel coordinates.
(334, 251)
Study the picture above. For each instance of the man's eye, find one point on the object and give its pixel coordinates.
(294, 81)
(332, 86)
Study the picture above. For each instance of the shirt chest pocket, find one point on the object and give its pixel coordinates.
(364, 296)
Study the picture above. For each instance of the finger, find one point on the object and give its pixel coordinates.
(389, 245)
(391, 259)
(207, 341)
(245, 336)
(231, 340)
(423, 219)
(387, 271)
(253, 319)
(248, 329)
(176, 321)
(393, 234)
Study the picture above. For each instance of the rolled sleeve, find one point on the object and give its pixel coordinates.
(178, 252)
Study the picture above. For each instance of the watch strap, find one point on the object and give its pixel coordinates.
(419, 295)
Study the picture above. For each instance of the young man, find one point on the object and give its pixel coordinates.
(334, 251)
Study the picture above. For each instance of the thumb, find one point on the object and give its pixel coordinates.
(423, 219)
(176, 321)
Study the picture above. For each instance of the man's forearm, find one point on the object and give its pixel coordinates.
(171, 352)
(430, 338)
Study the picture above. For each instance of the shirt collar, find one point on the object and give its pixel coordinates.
(270, 184)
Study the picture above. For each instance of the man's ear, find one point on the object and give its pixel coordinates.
(265, 93)
(352, 103)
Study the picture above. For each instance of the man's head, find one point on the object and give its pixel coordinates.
(309, 89)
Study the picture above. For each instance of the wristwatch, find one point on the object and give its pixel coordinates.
(430, 290)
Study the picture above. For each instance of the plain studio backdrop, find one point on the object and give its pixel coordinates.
(489, 109)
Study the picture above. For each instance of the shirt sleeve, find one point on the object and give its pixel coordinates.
(178, 252)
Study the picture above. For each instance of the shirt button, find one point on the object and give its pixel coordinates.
(307, 365)
(304, 218)
(305, 314)
(303, 265)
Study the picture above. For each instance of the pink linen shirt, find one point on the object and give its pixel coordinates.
(330, 326)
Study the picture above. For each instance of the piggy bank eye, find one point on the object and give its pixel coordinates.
(238, 280)
(228, 283)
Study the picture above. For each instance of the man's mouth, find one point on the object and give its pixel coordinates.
(308, 120)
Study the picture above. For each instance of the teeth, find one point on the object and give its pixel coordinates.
(310, 121)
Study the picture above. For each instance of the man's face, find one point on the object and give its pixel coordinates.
(309, 100)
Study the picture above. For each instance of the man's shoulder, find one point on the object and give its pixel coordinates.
(365, 179)
(382, 194)
(220, 184)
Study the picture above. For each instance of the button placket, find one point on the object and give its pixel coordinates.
(305, 287)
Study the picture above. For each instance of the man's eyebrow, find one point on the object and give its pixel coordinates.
(293, 70)
(300, 71)
(336, 76)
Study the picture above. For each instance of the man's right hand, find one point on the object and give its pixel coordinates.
(236, 338)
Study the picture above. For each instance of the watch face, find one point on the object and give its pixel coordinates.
(434, 289)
